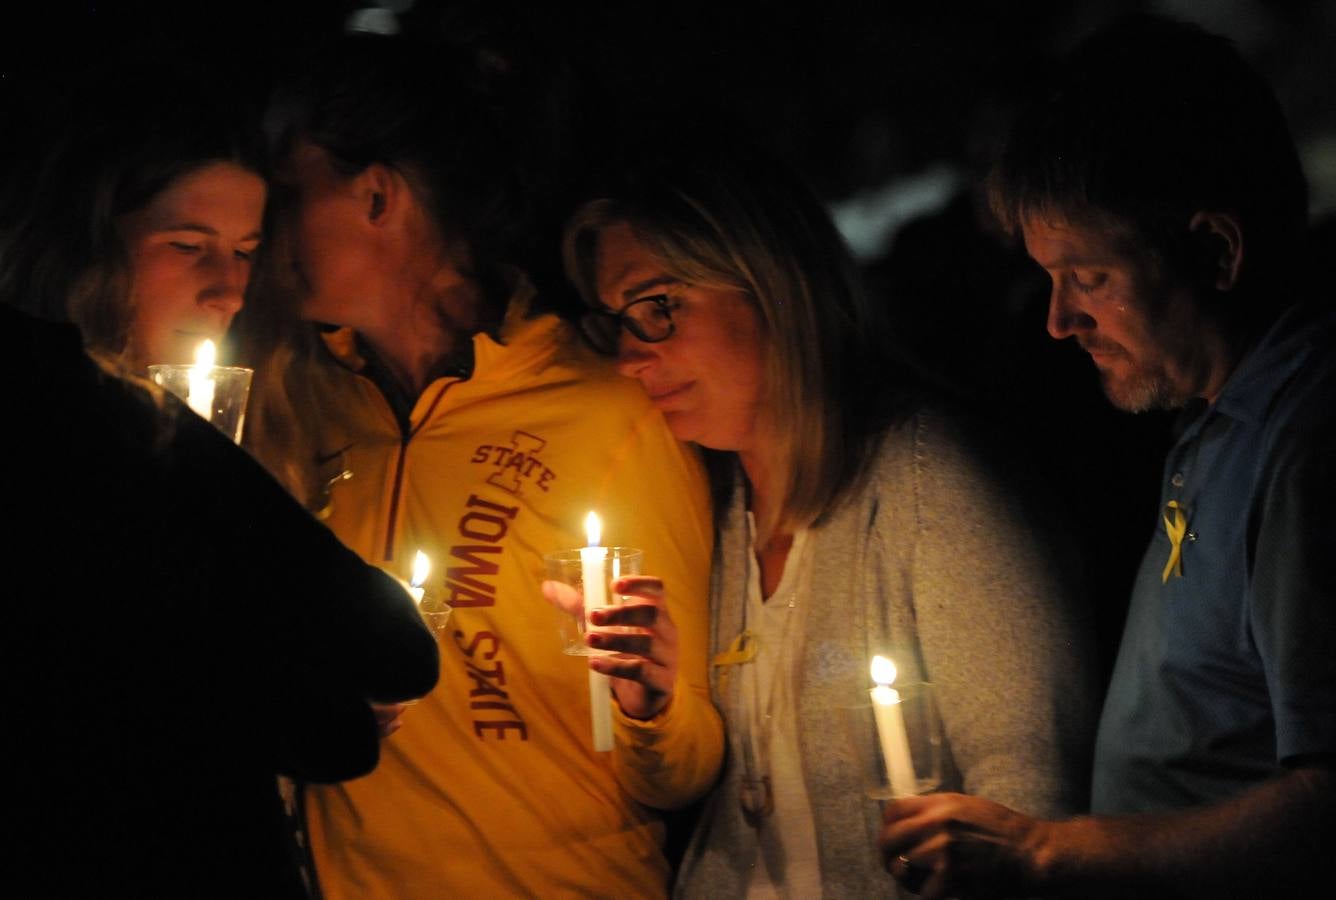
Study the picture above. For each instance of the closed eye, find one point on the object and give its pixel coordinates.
(1088, 282)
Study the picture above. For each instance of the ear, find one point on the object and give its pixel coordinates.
(1222, 237)
(382, 192)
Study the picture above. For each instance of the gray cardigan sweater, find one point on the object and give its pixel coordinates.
(937, 561)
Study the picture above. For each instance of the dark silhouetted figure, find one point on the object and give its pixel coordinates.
(178, 631)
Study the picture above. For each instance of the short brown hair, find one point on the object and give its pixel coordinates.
(1150, 121)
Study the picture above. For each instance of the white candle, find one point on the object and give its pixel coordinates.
(891, 729)
(596, 597)
(199, 396)
(421, 569)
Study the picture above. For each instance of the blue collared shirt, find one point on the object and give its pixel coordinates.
(1227, 671)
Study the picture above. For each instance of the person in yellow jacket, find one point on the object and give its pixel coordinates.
(449, 416)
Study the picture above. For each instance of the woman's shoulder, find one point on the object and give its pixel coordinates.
(939, 446)
(934, 432)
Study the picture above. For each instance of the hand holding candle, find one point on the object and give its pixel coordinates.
(632, 646)
(633, 640)
(644, 659)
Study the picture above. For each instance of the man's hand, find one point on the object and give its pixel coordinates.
(953, 845)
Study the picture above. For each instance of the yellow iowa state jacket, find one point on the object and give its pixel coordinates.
(492, 786)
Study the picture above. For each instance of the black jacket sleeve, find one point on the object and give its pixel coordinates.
(172, 613)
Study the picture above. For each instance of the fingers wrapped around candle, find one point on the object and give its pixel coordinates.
(644, 668)
(563, 596)
(949, 845)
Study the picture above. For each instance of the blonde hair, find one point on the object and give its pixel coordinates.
(745, 222)
(291, 373)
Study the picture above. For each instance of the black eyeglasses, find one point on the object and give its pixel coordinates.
(649, 319)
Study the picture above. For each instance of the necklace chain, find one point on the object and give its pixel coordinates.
(756, 794)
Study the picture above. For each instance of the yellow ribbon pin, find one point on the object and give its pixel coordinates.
(743, 649)
(1176, 527)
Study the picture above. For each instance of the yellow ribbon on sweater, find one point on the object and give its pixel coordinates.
(743, 649)
(1176, 527)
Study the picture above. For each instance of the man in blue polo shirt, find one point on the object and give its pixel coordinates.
(1159, 188)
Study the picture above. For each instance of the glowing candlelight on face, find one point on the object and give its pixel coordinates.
(592, 558)
(421, 569)
(891, 729)
(200, 396)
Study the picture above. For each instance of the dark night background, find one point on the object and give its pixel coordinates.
(854, 94)
(889, 109)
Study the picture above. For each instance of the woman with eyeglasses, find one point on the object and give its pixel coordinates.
(854, 519)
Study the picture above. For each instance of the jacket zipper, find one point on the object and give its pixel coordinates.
(399, 471)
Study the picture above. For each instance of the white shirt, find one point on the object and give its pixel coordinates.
(788, 865)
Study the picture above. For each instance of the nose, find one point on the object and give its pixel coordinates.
(1065, 315)
(634, 356)
(225, 287)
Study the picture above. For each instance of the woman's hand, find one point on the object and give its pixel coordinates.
(644, 667)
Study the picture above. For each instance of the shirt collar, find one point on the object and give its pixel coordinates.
(1286, 347)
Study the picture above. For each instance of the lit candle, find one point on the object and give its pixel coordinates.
(421, 569)
(891, 729)
(596, 597)
(200, 394)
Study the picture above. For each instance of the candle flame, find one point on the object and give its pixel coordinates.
(883, 670)
(593, 528)
(205, 354)
(421, 569)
